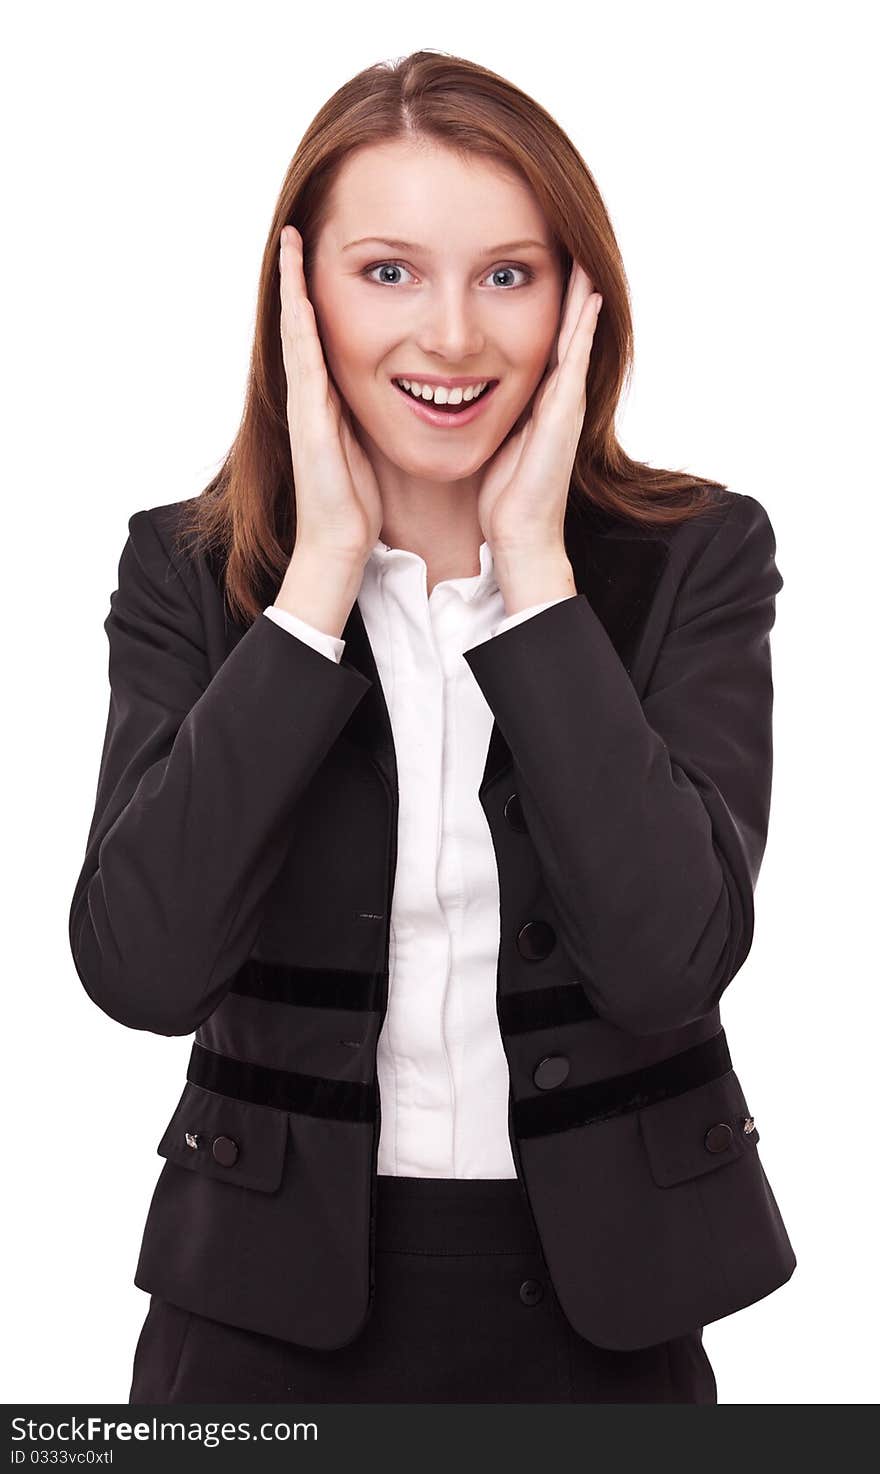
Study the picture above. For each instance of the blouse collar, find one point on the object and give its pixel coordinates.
(384, 559)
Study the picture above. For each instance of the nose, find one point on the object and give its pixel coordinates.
(451, 327)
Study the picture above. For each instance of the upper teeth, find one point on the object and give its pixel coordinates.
(441, 395)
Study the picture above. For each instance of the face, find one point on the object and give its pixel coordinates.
(450, 303)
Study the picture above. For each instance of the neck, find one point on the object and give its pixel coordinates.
(435, 519)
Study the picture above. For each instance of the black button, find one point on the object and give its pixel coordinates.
(535, 940)
(551, 1071)
(718, 1138)
(531, 1291)
(513, 813)
(225, 1151)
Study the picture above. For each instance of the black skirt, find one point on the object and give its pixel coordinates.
(464, 1312)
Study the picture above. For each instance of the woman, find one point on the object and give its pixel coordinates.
(433, 796)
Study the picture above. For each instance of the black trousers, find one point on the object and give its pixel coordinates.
(464, 1312)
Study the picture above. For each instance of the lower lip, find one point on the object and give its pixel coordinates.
(440, 417)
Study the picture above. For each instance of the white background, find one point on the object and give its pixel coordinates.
(145, 147)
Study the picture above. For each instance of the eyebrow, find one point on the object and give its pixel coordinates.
(396, 245)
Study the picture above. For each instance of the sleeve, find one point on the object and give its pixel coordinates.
(650, 816)
(511, 620)
(197, 788)
(330, 645)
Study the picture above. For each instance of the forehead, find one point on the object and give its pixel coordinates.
(430, 194)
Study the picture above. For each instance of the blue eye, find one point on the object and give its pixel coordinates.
(399, 266)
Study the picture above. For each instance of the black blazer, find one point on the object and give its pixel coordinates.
(238, 879)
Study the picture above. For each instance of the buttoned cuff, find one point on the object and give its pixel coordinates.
(319, 640)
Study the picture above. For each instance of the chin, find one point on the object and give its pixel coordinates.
(441, 473)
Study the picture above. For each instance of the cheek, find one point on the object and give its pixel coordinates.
(356, 337)
(531, 338)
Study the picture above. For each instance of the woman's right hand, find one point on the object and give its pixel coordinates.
(338, 502)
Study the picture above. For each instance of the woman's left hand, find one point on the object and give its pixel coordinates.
(524, 492)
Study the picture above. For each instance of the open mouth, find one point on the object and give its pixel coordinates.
(450, 409)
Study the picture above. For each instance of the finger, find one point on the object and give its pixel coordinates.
(582, 346)
(576, 363)
(578, 280)
(579, 286)
(572, 320)
(299, 329)
(288, 292)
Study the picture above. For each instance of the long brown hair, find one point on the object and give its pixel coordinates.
(246, 515)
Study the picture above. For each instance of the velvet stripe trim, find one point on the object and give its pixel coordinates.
(286, 1090)
(360, 992)
(308, 987)
(581, 1105)
(557, 1110)
(544, 1008)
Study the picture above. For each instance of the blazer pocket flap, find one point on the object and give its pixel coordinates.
(698, 1131)
(232, 1140)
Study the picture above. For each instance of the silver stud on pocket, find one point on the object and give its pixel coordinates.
(748, 1124)
(192, 1139)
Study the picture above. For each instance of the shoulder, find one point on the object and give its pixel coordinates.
(732, 526)
(725, 556)
(736, 509)
(737, 523)
(724, 508)
(158, 552)
(162, 523)
(730, 523)
(728, 513)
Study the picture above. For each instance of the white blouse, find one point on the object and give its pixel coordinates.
(442, 1071)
